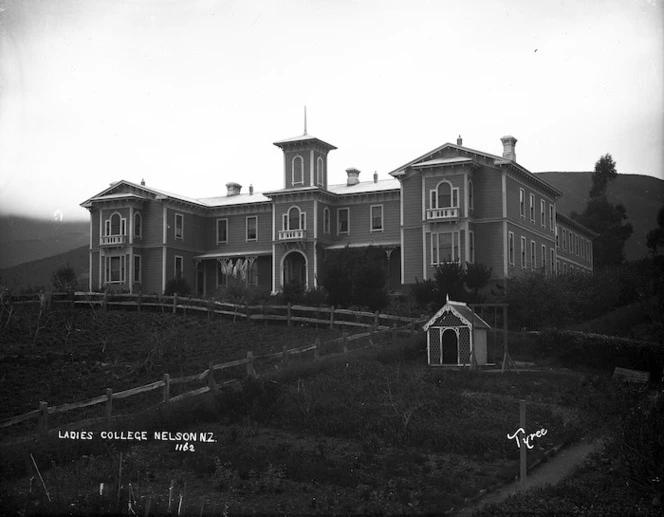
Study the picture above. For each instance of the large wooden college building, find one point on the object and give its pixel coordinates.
(450, 204)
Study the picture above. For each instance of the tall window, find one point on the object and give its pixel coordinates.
(523, 252)
(179, 226)
(551, 218)
(115, 269)
(532, 208)
(553, 260)
(298, 170)
(252, 228)
(178, 267)
(138, 225)
(471, 195)
(343, 223)
(137, 269)
(564, 239)
(511, 247)
(222, 231)
(544, 257)
(557, 237)
(377, 218)
(522, 202)
(471, 243)
(543, 213)
(319, 171)
(294, 219)
(533, 264)
(326, 220)
(444, 247)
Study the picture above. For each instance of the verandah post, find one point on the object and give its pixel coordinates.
(331, 317)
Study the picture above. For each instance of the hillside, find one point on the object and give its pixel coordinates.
(642, 196)
(37, 274)
(24, 239)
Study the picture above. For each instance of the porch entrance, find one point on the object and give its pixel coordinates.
(295, 269)
(450, 342)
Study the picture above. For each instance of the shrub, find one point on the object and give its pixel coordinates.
(64, 279)
(177, 285)
(449, 278)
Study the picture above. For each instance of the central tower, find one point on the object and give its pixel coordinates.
(305, 161)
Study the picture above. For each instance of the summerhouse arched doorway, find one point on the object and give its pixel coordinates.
(450, 343)
(295, 269)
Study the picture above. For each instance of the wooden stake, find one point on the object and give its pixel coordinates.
(522, 449)
(34, 464)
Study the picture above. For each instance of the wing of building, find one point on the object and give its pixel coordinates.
(450, 204)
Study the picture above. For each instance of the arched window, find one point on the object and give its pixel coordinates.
(115, 224)
(138, 225)
(294, 218)
(319, 171)
(326, 220)
(298, 170)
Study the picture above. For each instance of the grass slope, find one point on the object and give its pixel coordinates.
(25, 239)
(35, 275)
(642, 196)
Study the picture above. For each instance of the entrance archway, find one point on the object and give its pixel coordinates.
(450, 347)
(295, 269)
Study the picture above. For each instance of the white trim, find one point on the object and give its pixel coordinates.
(471, 198)
(424, 253)
(131, 229)
(339, 210)
(401, 252)
(466, 194)
(315, 218)
(246, 228)
(274, 265)
(312, 166)
(424, 205)
(504, 193)
(90, 270)
(217, 221)
(454, 192)
(382, 220)
(165, 223)
(163, 269)
(320, 183)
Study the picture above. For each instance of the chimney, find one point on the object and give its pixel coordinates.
(459, 141)
(143, 182)
(509, 143)
(251, 190)
(353, 176)
(375, 177)
(233, 189)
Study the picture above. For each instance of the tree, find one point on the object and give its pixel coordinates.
(605, 219)
(477, 277)
(64, 279)
(656, 236)
(449, 278)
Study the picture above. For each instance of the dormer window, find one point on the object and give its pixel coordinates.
(298, 171)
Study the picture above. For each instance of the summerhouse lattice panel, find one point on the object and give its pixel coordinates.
(434, 347)
(448, 319)
(464, 345)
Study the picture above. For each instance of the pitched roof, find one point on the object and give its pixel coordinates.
(365, 187)
(464, 312)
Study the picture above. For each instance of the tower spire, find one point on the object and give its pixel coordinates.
(305, 120)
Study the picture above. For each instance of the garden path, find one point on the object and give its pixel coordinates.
(563, 464)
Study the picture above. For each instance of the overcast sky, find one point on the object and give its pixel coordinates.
(191, 94)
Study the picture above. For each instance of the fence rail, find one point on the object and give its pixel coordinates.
(326, 316)
(207, 376)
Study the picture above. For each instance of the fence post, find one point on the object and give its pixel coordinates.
(288, 315)
(246, 311)
(250, 364)
(43, 417)
(211, 383)
(331, 317)
(109, 403)
(175, 302)
(376, 319)
(344, 342)
(284, 355)
(167, 388)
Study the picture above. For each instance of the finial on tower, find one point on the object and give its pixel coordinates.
(305, 120)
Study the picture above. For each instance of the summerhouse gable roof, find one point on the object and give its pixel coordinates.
(461, 311)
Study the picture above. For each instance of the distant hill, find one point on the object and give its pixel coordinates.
(642, 196)
(35, 275)
(24, 239)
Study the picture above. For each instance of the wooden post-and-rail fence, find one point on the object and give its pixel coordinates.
(331, 317)
(44, 410)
